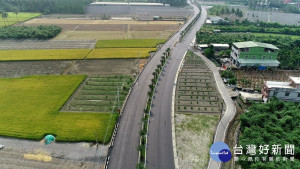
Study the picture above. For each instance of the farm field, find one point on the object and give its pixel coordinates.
(46, 44)
(76, 29)
(99, 94)
(196, 91)
(12, 18)
(255, 78)
(129, 43)
(38, 100)
(120, 53)
(113, 35)
(43, 54)
(87, 67)
(197, 111)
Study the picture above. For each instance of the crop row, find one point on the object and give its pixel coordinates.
(100, 94)
(196, 91)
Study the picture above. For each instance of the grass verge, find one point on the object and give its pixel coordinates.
(12, 18)
(30, 109)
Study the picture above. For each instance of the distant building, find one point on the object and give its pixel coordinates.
(208, 22)
(254, 54)
(248, 97)
(216, 20)
(216, 46)
(220, 46)
(286, 91)
(127, 4)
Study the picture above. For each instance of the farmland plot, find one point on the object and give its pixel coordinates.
(197, 108)
(82, 29)
(99, 94)
(129, 43)
(46, 44)
(43, 54)
(196, 91)
(30, 109)
(12, 18)
(120, 53)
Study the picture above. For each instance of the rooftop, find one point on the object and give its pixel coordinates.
(220, 45)
(258, 61)
(275, 84)
(295, 79)
(250, 44)
(130, 3)
(250, 96)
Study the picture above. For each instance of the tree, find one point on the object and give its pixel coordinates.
(209, 52)
(16, 12)
(276, 122)
(4, 16)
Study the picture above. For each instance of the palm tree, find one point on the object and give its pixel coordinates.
(16, 11)
(4, 15)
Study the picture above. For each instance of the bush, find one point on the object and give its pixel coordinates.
(228, 74)
(29, 32)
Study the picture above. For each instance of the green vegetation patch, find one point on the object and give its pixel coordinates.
(29, 32)
(99, 94)
(12, 18)
(30, 109)
(120, 53)
(274, 123)
(194, 136)
(43, 54)
(129, 43)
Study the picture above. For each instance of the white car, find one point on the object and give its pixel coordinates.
(1, 146)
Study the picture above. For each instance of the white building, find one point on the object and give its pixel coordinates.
(286, 91)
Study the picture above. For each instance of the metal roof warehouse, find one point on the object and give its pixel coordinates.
(127, 4)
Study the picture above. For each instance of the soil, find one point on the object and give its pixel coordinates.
(46, 44)
(256, 78)
(88, 67)
(8, 161)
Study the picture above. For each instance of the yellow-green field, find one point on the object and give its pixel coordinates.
(120, 53)
(12, 18)
(43, 54)
(129, 43)
(30, 109)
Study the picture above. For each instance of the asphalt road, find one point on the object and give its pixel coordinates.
(229, 112)
(124, 154)
(160, 148)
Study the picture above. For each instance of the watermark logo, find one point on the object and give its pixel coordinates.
(220, 152)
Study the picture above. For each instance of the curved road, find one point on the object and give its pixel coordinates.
(124, 153)
(229, 112)
(160, 148)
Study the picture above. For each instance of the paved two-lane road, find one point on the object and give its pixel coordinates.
(160, 148)
(229, 112)
(124, 154)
